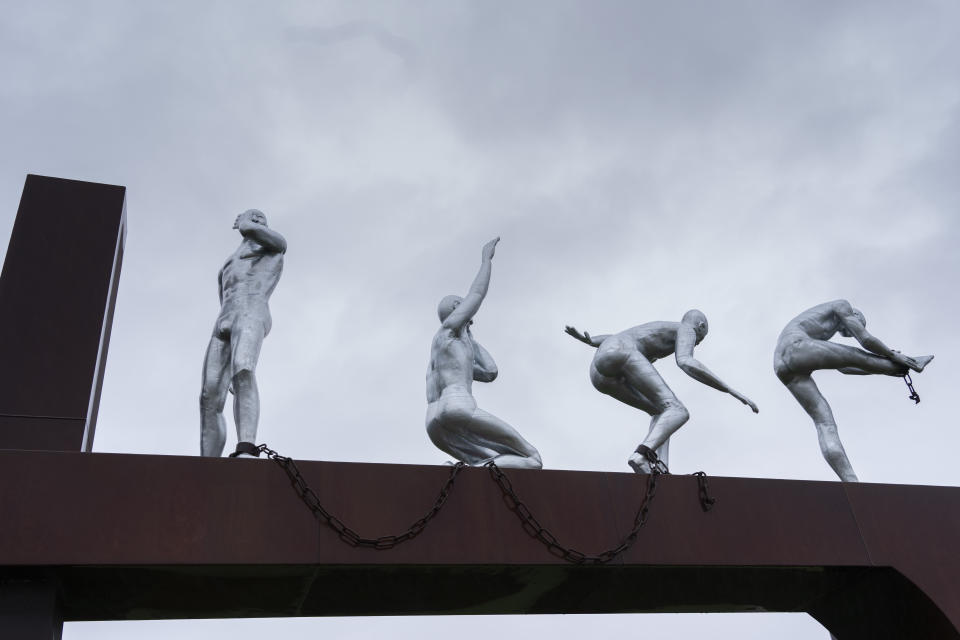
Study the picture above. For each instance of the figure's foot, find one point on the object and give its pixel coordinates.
(639, 464)
(922, 362)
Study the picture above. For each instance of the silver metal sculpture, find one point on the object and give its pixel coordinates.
(623, 368)
(246, 281)
(804, 347)
(454, 423)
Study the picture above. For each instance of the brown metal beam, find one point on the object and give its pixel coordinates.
(161, 536)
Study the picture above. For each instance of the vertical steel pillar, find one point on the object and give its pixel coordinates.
(57, 293)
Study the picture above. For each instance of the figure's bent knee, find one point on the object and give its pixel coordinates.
(679, 412)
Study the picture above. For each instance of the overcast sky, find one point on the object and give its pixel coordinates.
(638, 159)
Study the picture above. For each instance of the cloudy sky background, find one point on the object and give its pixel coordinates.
(638, 159)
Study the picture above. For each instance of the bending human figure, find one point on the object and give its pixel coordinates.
(246, 281)
(623, 368)
(454, 423)
(804, 347)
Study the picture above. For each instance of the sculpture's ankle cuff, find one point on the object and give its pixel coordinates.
(248, 448)
(648, 453)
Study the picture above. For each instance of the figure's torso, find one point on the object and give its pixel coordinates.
(654, 340)
(249, 276)
(817, 323)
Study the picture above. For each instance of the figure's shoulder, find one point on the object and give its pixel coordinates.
(840, 307)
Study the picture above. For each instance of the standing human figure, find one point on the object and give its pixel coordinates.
(246, 281)
(454, 423)
(804, 347)
(623, 368)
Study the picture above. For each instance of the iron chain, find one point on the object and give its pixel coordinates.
(347, 534)
(533, 527)
(706, 500)
(529, 522)
(913, 392)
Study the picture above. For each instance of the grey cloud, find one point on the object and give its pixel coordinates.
(356, 29)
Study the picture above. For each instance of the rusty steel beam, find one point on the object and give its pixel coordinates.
(57, 294)
(134, 536)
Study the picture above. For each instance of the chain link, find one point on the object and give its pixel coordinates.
(703, 489)
(348, 535)
(913, 392)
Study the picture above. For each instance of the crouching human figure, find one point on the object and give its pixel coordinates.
(454, 422)
(623, 368)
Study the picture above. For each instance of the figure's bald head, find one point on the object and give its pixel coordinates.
(696, 319)
(856, 313)
(447, 305)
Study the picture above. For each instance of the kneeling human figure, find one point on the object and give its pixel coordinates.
(454, 422)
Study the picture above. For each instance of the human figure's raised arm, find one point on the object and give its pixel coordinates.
(686, 341)
(854, 326)
(262, 234)
(465, 311)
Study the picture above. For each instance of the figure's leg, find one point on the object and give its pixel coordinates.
(245, 344)
(670, 413)
(853, 371)
(805, 390)
(490, 432)
(811, 355)
(213, 397)
(618, 388)
(448, 426)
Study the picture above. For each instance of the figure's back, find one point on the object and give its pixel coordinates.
(451, 363)
(819, 322)
(654, 340)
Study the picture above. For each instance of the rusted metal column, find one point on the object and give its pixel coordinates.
(57, 293)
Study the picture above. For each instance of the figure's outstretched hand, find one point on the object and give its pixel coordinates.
(584, 337)
(745, 400)
(490, 248)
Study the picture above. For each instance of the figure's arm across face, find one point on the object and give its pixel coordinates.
(686, 341)
(484, 367)
(262, 234)
(465, 311)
